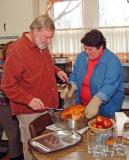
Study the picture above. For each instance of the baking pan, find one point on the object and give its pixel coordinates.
(69, 124)
(55, 141)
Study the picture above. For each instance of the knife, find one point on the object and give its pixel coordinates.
(54, 109)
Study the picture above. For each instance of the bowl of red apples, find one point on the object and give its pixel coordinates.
(101, 124)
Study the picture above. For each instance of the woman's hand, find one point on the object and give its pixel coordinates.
(68, 91)
(92, 108)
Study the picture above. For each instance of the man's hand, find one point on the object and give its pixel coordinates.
(63, 76)
(36, 104)
(92, 108)
(68, 91)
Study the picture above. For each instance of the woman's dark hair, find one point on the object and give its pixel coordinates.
(94, 38)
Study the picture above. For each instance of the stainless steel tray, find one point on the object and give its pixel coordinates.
(55, 141)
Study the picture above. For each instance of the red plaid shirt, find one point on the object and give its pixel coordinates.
(29, 72)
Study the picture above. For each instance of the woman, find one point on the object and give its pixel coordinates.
(96, 77)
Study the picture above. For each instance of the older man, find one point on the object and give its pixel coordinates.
(29, 78)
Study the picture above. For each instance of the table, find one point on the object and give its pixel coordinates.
(76, 152)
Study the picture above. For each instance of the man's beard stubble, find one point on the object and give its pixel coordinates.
(39, 44)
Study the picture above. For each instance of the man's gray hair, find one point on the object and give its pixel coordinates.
(43, 21)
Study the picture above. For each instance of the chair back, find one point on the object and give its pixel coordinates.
(38, 125)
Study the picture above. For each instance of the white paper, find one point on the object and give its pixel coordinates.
(121, 119)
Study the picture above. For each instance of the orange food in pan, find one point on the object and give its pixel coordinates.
(73, 112)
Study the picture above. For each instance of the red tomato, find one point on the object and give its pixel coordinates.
(107, 123)
(99, 119)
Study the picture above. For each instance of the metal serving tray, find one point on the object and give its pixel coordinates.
(55, 141)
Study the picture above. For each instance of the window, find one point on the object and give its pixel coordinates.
(113, 13)
(68, 14)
